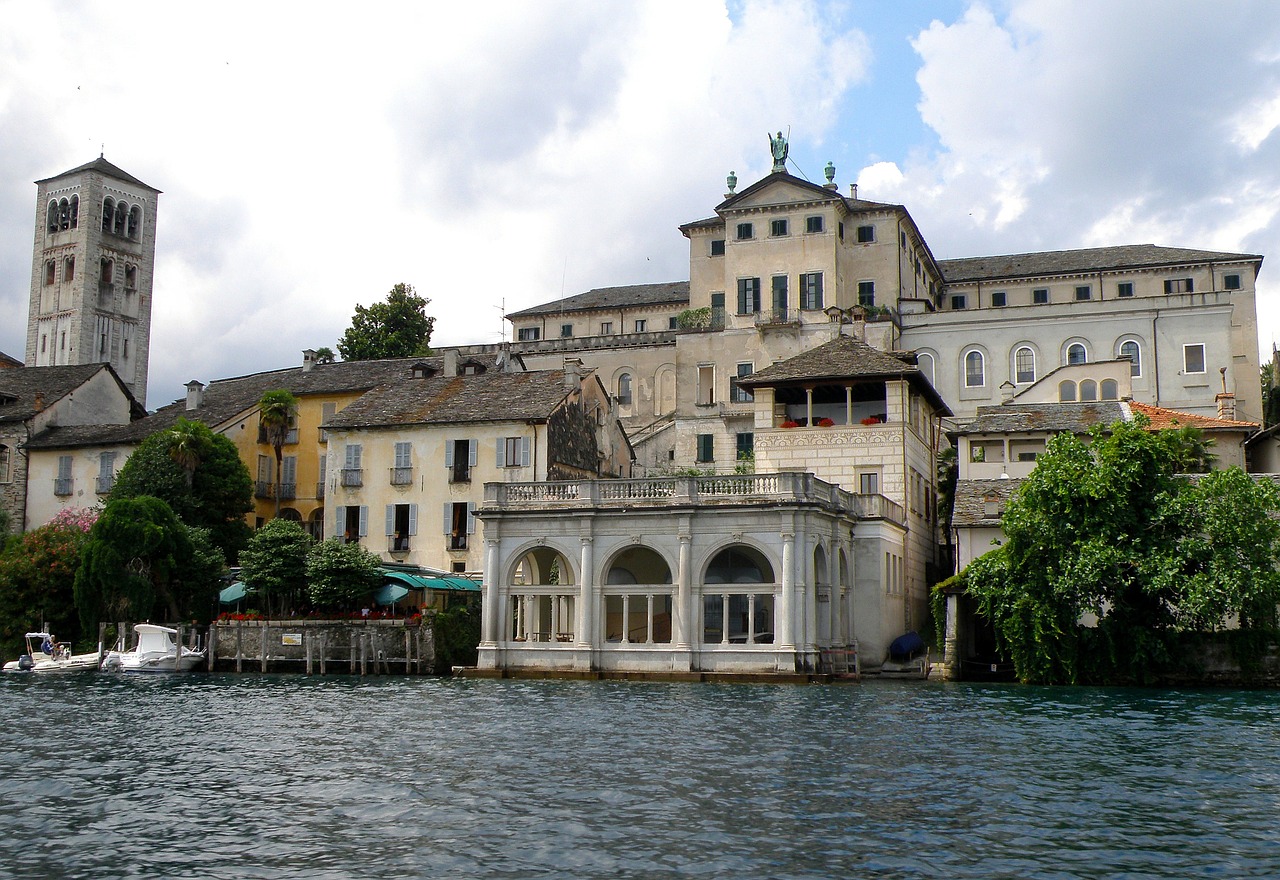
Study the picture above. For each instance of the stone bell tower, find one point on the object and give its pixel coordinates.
(91, 272)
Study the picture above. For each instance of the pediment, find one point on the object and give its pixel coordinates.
(778, 189)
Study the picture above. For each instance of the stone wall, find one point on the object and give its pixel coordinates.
(323, 646)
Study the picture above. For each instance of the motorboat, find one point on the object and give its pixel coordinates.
(156, 651)
(47, 654)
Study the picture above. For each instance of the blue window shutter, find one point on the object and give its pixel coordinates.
(339, 517)
(524, 451)
(448, 453)
(471, 453)
(502, 451)
(364, 520)
(471, 518)
(391, 519)
(448, 517)
(413, 519)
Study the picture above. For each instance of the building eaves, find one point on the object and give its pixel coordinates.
(971, 497)
(1084, 260)
(601, 298)
(1161, 418)
(102, 166)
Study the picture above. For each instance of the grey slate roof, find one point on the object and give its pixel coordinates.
(9, 361)
(1076, 418)
(491, 396)
(102, 166)
(631, 296)
(1033, 265)
(19, 387)
(971, 497)
(845, 358)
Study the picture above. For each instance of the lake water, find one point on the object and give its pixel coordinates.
(278, 776)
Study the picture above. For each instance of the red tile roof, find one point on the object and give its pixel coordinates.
(1171, 418)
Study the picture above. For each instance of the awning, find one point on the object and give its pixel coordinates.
(426, 582)
(232, 594)
(389, 593)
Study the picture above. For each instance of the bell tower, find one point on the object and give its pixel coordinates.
(91, 272)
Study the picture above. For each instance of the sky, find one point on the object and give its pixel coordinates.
(500, 155)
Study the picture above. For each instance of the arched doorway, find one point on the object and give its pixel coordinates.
(741, 611)
(543, 598)
(638, 598)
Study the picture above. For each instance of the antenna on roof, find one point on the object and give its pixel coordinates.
(502, 311)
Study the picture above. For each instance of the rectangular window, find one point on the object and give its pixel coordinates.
(606, 328)
(50, 272)
(566, 330)
(106, 472)
(402, 524)
(69, 269)
(1193, 358)
(459, 522)
(327, 412)
(528, 334)
(641, 325)
(748, 296)
(1083, 292)
(738, 394)
(779, 285)
(513, 452)
(813, 224)
(867, 293)
(402, 472)
(957, 301)
(459, 459)
(1179, 285)
(352, 475)
(130, 276)
(840, 230)
(673, 323)
(745, 231)
(1124, 289)
(706, 384)
(1040, 295)
(706, 448)
(869, 483)
(746, 445)
(866, 234)
(717, 247)
(1231, 282)
(999, 298)
(778, 228)
(811, 290)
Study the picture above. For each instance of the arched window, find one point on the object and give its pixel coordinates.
(644, 614)
(108, 213)
(733, 612)
(75, 211)
(122, 215)
(1110, 389)
(975, 373)
(51, 221)
(69, 268)
(106, 272)
(1088, 391)
(1076, 354)
(1131, 350)
(1067, 391)
(925, 363)
(50, 272)
(1024, 365)
(135, 222)
(6, 460)
(64, 214)
(624, 389)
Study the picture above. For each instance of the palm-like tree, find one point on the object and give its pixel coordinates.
(187, 446)
(275, 411)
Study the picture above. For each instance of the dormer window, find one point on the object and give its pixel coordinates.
(470, 368)
(422, 370)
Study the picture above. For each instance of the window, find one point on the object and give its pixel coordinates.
(1231, 282)
(135, 222)
(813, 224)
(513, 452)
(867, 293)
(1076, 354)
(1083, 292)
(925, 362)
(746, 445)
(1124, 289)
(748, 296)
(289, 477)
(1130, 350)
(778, 228)
(1179, 285)
(327, 412)
(118, 223)
(641, 325)
(706, 384)
(624, 389)
(866, 234)
(717, 247)
(779, 287)
(673, 323)
(811, 290)
(738, 394)
(1024, 366)
(402, 524)
(460, 458)
(51, 218)
(528, 334)
(1067, 391)
(459, 522)
(745, 231)
(974, 370)
(62, 483)
(606, 328)
(706, 448)
(1088, 391)
(108, 213)
(840, 230)
(1040, 295)
(106, 472)
(957, 301)
(50, 272)
(352, 473)
(1193, 358)
(402, 473)
(999, 298)
(351, 522)
(106, 272)
(1110, 389)
(869, 483)
(69, 268)
(903, 237)
(566, 330)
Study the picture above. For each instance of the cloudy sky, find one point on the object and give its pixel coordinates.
(499, 155)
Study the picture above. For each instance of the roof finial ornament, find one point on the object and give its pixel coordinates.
(830, 171)
(732, 182)
(778, 147)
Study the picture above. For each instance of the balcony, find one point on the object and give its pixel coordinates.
(320, 490)
(288, 491)
(457, 542)
(262, 489)
(290, 439)
(62, 486)
(460, 474)
(352, 477)
(397, 544)
(769, 317)
(104, 483)
(401, 476)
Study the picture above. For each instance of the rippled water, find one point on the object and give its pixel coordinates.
(249, 776)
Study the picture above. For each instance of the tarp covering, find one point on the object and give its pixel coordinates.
(232, 594)
(426, 582)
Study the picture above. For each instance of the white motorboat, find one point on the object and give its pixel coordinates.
(47, 654)
(156, 651)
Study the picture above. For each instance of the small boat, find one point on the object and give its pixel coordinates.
(156, 651)
(47, 654)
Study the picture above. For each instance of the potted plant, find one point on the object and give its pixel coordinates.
(825, 422)
(789, 424)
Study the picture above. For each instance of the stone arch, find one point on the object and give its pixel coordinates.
(664, 383)
(540, 565)
(732, 611)
(637, 564)
(541, 604)
(926, 360)
(643, 614)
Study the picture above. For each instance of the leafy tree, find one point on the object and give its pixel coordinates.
(187, 443)
(217, 496)
(275, 411)
(1270, 397)
(275, 563)
(397, 327)
(37, 571)
(339, 574)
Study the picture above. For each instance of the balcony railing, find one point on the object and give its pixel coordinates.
(457, 542)
(352, 477)
(262, 489)
(320, 490)
(401, 476)
(103, 484)
(397, 544)
(778, 316)
(288, 491)
(290, 439)
(460, 474)
(62, 486)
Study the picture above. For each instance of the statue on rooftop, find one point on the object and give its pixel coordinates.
(778, 147)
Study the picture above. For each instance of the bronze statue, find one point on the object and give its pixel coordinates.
(778, 147)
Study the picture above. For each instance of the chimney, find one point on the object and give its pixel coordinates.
(853, 190)
(572, 372)
(1226, 405)
(195, 394)
(39, 401)
(1006, 391)
(451, 362)
(308, 359)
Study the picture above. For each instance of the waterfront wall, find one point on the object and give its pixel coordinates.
(320, 647)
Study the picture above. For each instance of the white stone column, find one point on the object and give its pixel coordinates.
(786, 609)
(491, 618)
(683, 603)
(808, 407)
(586, 613)
(848, 404)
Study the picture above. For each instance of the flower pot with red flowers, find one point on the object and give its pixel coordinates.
(789, 424)
(825, 423)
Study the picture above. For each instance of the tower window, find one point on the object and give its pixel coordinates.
(69, 268)
(867, 293)
(108, 213)
(1231, 282)
(135, 221)
(130, 277)
(717, 247)
(122, 215)
(51, 220)
(50, 271)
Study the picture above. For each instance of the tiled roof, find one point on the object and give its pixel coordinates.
(1012, 418)
(102, 166)
(971, 497)
(7, 361)
(845, 358)
(1043, 263)
(631, 296)
(20, 386)
(491, 396)
(1172, 418)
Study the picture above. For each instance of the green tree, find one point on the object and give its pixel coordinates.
(218, 495)
(397, 327)
(37, 573)
(187, 443)
(339, 574)
(324, 355)
(1270, 399)
(276, 410)
(274, 565)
